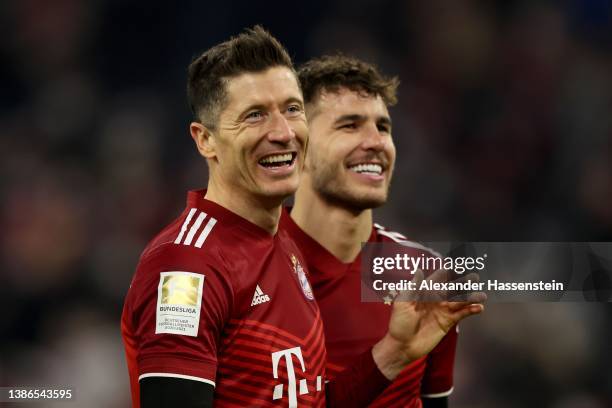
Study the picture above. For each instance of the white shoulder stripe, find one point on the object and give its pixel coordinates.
(396, 236)
(439, 395)
(184, 226)
(209, 226)
(194, 228)
(380, 228)
(186, 377)
(402, 240)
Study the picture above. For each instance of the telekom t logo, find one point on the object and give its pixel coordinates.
(292, 390)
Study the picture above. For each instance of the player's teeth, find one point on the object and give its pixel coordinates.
(276, 158)
(367, 168)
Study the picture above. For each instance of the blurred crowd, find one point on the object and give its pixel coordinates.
(503, 131)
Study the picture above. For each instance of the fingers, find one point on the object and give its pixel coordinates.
(454, 306)
(406, 296)
(476, 298)
(411, 295)
(418, 277)
(472, 297)
(474, 277)
(439, 275)
(437, 288)
(466, 311)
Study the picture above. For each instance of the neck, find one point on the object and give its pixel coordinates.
(261, 212)
(339, 230)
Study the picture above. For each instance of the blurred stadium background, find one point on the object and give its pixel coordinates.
(504, 132)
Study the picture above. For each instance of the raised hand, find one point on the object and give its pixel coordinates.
(419, 320)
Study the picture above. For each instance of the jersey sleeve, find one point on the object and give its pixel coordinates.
(179, 303)
(357, 385)
(438, 377)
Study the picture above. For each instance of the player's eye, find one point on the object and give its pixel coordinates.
(294, 110)
(254, 116)
(348, 126)
(384, 128)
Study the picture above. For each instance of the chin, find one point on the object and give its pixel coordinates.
(279, 189)
(369, 202)
(354, 200)
(368, 198)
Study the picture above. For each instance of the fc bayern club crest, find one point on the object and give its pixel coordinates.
(297, 268)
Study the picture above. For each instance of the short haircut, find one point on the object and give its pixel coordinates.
(254, 50)
(332, 72)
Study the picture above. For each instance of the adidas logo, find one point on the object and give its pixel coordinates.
(259, 297)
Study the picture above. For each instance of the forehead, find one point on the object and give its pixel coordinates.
(348, 102)
(274, 85)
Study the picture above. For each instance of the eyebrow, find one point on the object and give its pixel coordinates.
(293, 99)
(381, 120)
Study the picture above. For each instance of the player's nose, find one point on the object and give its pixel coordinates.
(280, 129)
(373, 139)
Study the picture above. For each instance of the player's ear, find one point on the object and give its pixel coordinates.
(204, 139)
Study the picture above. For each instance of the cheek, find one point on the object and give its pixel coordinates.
(315, 155)
(301, 132)
(243, 148)
(391, 152)
(332, 152)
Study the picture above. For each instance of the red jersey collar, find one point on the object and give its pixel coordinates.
(317, 255)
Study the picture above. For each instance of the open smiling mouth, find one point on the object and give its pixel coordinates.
(372, 169)
(278, 160)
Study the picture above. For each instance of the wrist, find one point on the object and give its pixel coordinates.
(390, 356)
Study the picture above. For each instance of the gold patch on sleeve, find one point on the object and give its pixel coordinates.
(179, 298)
(180, 290)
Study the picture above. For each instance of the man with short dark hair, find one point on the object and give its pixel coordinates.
(348, 170)
(221, 303)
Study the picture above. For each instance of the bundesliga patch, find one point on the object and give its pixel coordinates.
(179, 297)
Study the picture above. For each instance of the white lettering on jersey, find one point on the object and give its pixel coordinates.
(259, 297)
(292, 389)
(179, 298)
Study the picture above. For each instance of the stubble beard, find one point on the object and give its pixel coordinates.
(336, 190)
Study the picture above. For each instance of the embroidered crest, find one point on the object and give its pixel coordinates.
(302, 278)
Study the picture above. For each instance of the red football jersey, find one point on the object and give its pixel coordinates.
(352, 326)
(217, 299)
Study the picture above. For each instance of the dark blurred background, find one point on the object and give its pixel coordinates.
(503, 130)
